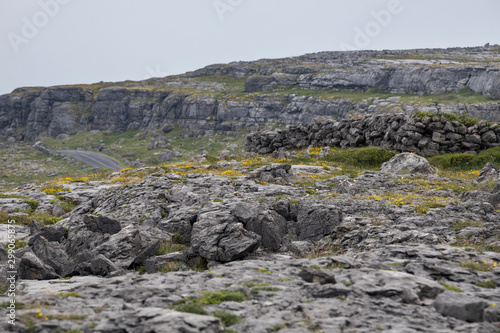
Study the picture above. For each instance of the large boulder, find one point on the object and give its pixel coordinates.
(123, 247)
(270, 225)
(316, 275)
(52, 254)
(317, 221)
(101, 224)
(50, 233)
(218, 236)
(32, 268)
(408, 163)
(490, 172)
(459, 306)
(88, 263)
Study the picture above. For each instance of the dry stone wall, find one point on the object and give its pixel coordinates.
(427, 136)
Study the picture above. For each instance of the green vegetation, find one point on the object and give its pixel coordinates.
(33, 204)
(284, 280)
(459, 225)
(259, 286)
(277, 327)
(463, 161)
(369, 157)
(18, 244)
(255, 291)
(227, 318)
(217, 297)
(450, 287)
(169, 247)
(11, 195)
(479, 266)
(42, 218)
(191, 308)
(177, 239)
(199, 264)
(170, 267)
(69, 294)
(486, 284)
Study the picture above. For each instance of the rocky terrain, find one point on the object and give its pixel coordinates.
(336, 223)
(241, 95)
(253, 246)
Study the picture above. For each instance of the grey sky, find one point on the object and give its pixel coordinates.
(49, 42)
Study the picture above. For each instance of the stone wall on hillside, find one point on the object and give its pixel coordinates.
(427, 136)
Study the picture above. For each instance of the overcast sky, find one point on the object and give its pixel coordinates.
(51, 42)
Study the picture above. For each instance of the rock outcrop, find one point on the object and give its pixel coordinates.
(201, 106)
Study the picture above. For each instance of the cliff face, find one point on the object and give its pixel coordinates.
(226, 98)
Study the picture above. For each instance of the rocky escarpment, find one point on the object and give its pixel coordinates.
(334, 258)
(427, 135)
(202, 106)
(378, 75)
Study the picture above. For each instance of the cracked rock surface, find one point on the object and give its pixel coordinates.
(344, 256)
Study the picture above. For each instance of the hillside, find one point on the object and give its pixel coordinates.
(243, 95)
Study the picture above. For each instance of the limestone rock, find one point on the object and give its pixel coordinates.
(32, 268)
(218, 237)
(408, 163)
(489, 172)
(462, 307)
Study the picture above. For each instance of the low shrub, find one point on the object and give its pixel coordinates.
(369, 157)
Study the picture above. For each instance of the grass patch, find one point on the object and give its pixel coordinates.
(191, 308)
(255, 291)
(227, 318)
(18, 244)
(199, 264)
(63, 316)
(466, 162)
(424, 207)
(277, 327)
(486, 284)
(14, 196)
(479, 266)
(369, 157)
(33, 204)
(217, 297)
(459, 225)
(67, 206)
(450, 287)
(69, 294)
(42, 218)
(479, 247)
(284, 280)
(170, 267)
(252, 284)
(169, 247)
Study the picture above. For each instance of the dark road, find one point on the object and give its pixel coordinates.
(93, 159)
